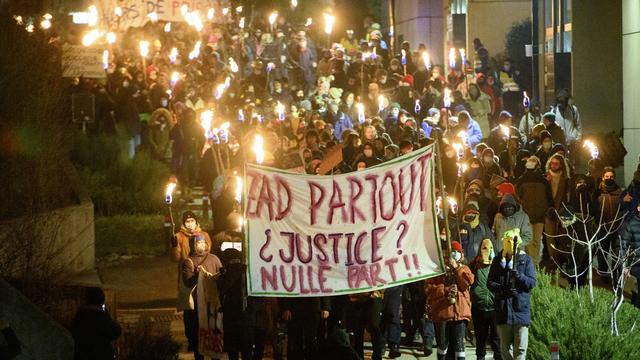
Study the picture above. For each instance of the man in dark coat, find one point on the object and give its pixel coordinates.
(93, 328)
(511, 279)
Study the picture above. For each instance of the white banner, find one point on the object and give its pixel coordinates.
(310, 235)
(134, 12)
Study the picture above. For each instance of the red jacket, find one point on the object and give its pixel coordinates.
(441, 309)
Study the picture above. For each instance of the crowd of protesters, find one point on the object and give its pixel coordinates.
(508, 164)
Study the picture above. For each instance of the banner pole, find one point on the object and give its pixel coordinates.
(443, 194)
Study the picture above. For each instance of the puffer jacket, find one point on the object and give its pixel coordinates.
(436, 290)
(534, 192)
(512, 310)
(630, 232)
(471, 238)
(481, 297)
(519, 220)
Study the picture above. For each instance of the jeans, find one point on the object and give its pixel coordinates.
(516, 335)
(450, 332)
(190, 318)
(391, 315)
(485, 329)
(413, 314)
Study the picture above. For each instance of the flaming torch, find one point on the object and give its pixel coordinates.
(105, 59)
(427, 60)
(173, 55)
(206, 119)
(280, 111)
(238, 189)
(272, 19)
(258, 149)
(452, 58)
(360, 108)
(381, 101)
(417, 108)
(505, 131)
(403, 60)
(593, 149)
(447, 98)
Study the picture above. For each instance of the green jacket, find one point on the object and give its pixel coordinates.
(481, 297)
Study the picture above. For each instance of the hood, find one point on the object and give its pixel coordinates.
(509, 199)
(488, 151)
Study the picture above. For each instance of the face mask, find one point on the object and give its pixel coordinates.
(486, 251)
(508, 210)
(546, 145)
(487, 159)
(201, 247)
(191, 226)
(610, 184)
(164, 102)
(125, 84)
(368, 153)
(531, 165)
(469, 218)
(506, 68)
(455, 255)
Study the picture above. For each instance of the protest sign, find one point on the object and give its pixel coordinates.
(135, 12)
(82, 61)
(311, 235)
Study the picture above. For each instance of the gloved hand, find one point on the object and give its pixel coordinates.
(513, 292)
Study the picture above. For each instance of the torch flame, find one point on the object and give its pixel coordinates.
(173, 55)
(381, 101)
(219, 91)
(111, 37)
(426, 59)
(241, 23)
(175, 77)
(525, 100)
(447, 98)
(592, 148)
(153, 16)
(329, 20)
(206, 119)
(144, 48)
(105, 59)
(167, 27)
(272, 18)
(238, 189)
(211, 13)
(463, 56)
(280, 111)
(233, 65)
(309, 22)
(118, 11)
(257, 148)
(452, 58)
(195, 53)
(505, 130)
(360, 108)
(169, 192)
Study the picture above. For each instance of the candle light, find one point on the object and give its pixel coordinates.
(360, 108)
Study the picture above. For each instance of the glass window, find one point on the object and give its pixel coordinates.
(548, 13)
(459, 7)
(566, 39)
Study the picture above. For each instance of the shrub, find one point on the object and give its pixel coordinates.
(582, 329)
(116, 184)
(130, 235)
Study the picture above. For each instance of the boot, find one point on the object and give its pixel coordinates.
(394, 351)
(427, 346)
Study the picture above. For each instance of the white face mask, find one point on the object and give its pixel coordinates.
(368, 153)
(546, 145)
(457, 256)
(531, 165)
(164, 102)
(191, 226)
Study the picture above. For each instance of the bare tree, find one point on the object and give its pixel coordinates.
(582, 234)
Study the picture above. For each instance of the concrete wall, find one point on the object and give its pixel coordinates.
(421, 21)
(40, 336)
(597, 64)
(630, 81)
(491, 20)
(67, 240)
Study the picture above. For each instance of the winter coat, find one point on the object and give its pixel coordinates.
(474, 134)
(634, 191)
(557, 135)
(471, 238)
(342, 123)
(630, 233)
(607, 203)
(481, 297)
(534, 192)
(512, 310)
(480, 109)
(497, 139)
(436, 290)
(570, 123)
(519, 220)
(182, 250)
(94, 330)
